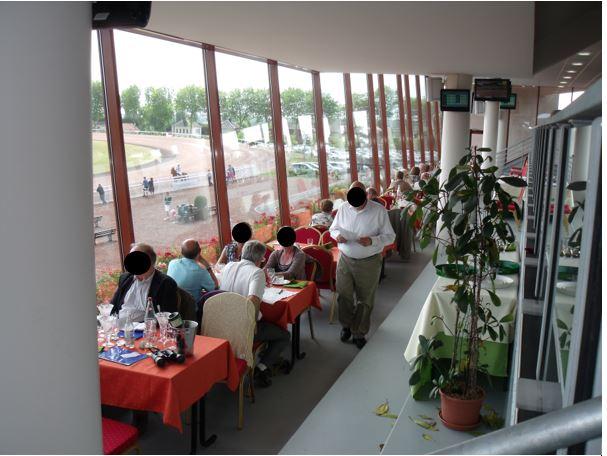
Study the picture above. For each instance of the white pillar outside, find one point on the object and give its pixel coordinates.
(490, 131)
(581, 148)
(455, 136)
(502, 132)
(49, 385)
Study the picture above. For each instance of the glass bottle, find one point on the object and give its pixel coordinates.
(150, 323)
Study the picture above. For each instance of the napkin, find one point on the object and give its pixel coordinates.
(300, 284)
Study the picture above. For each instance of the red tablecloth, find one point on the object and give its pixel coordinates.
(285, 311)
(172, 389)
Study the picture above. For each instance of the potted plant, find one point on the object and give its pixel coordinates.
(465, 216)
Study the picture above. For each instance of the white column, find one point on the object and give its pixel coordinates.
(581, 148)
(49, 380)
(502, 132)
(456, 128)
(490, 131)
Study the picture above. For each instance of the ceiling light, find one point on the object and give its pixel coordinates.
(571, 71)
(560, 86)
(577, 64)
(584, 53)
(563, 82)
(566, 77)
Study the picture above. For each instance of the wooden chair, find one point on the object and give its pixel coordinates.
(119, 438)
(324, 277)
(303, 233)
(321, 228)
(186, 305)
(389, 199)
(326, 238)
(232, 317)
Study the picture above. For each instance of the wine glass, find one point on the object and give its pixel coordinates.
(107, 324)
(163, 321)
(105, 309)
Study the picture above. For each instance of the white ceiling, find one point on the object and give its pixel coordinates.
(478, 38)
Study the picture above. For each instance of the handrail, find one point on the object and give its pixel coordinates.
(541, 435)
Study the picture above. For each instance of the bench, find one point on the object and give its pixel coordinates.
(96, 220)
(108, 232)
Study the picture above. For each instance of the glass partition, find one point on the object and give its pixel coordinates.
(108, 264)
(360, 107)
(336, 135)
(166, 135)
(299, 133)
(248, 144)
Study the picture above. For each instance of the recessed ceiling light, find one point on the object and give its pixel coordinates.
(571, 71)
(566, 77)
(584, 53)
(563, 82)
(560, 86)
(577, 64)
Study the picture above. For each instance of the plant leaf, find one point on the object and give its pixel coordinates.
(577, 186)
(427, 437)
(494, 298)
(382, 409)
(514, 181)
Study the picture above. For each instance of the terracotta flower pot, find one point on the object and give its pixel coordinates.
(460, 414)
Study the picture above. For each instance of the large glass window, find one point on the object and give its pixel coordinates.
(336, 133)
(107, 251)
(380, 134)
(360, 107)
(415, 119)
(246, 125)
(394, 140)
(166, 137)
(299, 132)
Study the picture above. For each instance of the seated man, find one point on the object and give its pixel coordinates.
(246, 278)
(324, 217)
(134, 289)
(372, 195)
(400, 184)
(192, 272)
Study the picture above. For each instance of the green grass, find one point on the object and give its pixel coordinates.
(135, 156)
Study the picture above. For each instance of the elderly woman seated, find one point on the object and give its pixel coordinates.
(290, 261)
(324, 217)
(372, 195)
(415, 172)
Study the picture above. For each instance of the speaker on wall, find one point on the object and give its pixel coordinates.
(121, 14)
(433, 88)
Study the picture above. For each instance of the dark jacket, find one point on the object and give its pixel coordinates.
(163, 291)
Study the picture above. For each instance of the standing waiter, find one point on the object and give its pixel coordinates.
(362, 230)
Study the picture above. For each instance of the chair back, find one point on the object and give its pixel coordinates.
(186, 305)
(269, 251)
(334, 213)
(326, 238)
(311, 268)
(231, 316)
(324, 260)
(303, 233)
(383, 202)
(321, 228)
(389, 199)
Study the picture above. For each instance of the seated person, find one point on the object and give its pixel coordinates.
(142, 281)
(192, 272)
(414, 174)
(290, 261)
(400, 184)
(426, 176)
(241, 233)
(338, 198)
(247, 279)
(372, 195)
(323, 218)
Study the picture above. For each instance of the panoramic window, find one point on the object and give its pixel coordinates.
(380, 134)
(248, 144)
(336, 134)
(166, 135)
(360, 107)
(414, 119)
(392, 114)
(107, 250)
(299, 133)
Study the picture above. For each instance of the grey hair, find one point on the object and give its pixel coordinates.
(253, 251)
(145, 248)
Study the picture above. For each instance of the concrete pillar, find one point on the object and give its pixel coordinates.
(490, 131)
(502, 132)
(581, 149)
(455, 136)
(49, 385)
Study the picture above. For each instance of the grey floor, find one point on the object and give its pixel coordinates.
(281, 409)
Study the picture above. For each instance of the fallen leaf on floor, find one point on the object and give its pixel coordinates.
(390, 415)
(424, 424)
(427, 437)
(382, 409)
(476, 433)
(425, 417)
(381, 446)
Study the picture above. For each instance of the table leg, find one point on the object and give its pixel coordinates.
(194, 426)
(203, 439)
(300, 354)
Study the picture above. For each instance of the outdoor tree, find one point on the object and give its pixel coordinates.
(331, 107)
(189, 103)
(233, 109)
(360, 102)
(158, 109)
(97, 111)
(129, 98)
(296, 102)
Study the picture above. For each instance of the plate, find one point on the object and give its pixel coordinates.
(280, 281)
(566, 288)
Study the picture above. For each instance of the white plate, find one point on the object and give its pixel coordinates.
(566, 288)
(501, 281)
(280, 281)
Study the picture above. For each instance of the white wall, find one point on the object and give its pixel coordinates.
(49, 382)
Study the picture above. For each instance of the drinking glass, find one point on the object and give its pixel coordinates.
(163, 321)
(105, 309)
(310, 241)
(107, 324)
(171, 338)
(271, 274)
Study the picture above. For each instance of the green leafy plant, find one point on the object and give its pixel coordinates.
(465, 216)
(203, 209)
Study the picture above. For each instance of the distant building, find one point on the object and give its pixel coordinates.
(128, 127)
(181, 127)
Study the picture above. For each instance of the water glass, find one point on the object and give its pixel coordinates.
(105, 309)
(310, 241)
(163, 322)
(107, 324)
(271, 274)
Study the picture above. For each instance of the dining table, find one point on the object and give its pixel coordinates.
(172, 389)
(493, 354)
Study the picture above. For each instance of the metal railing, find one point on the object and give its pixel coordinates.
(563, 428)
(514, 155)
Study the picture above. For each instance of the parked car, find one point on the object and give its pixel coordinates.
(303, 168)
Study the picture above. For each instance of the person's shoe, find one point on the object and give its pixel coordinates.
(281, 367)
(359, 342)
(345, 334)
(262, 378)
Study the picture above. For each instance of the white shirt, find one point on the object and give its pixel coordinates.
(244, 278)
(136, 297)
(372, 221)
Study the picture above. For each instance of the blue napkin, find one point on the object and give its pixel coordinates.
(122, 356)
(137, 334)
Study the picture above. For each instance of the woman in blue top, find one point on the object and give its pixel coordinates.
(241, 233)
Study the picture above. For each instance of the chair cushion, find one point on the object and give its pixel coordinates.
(117, 437)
